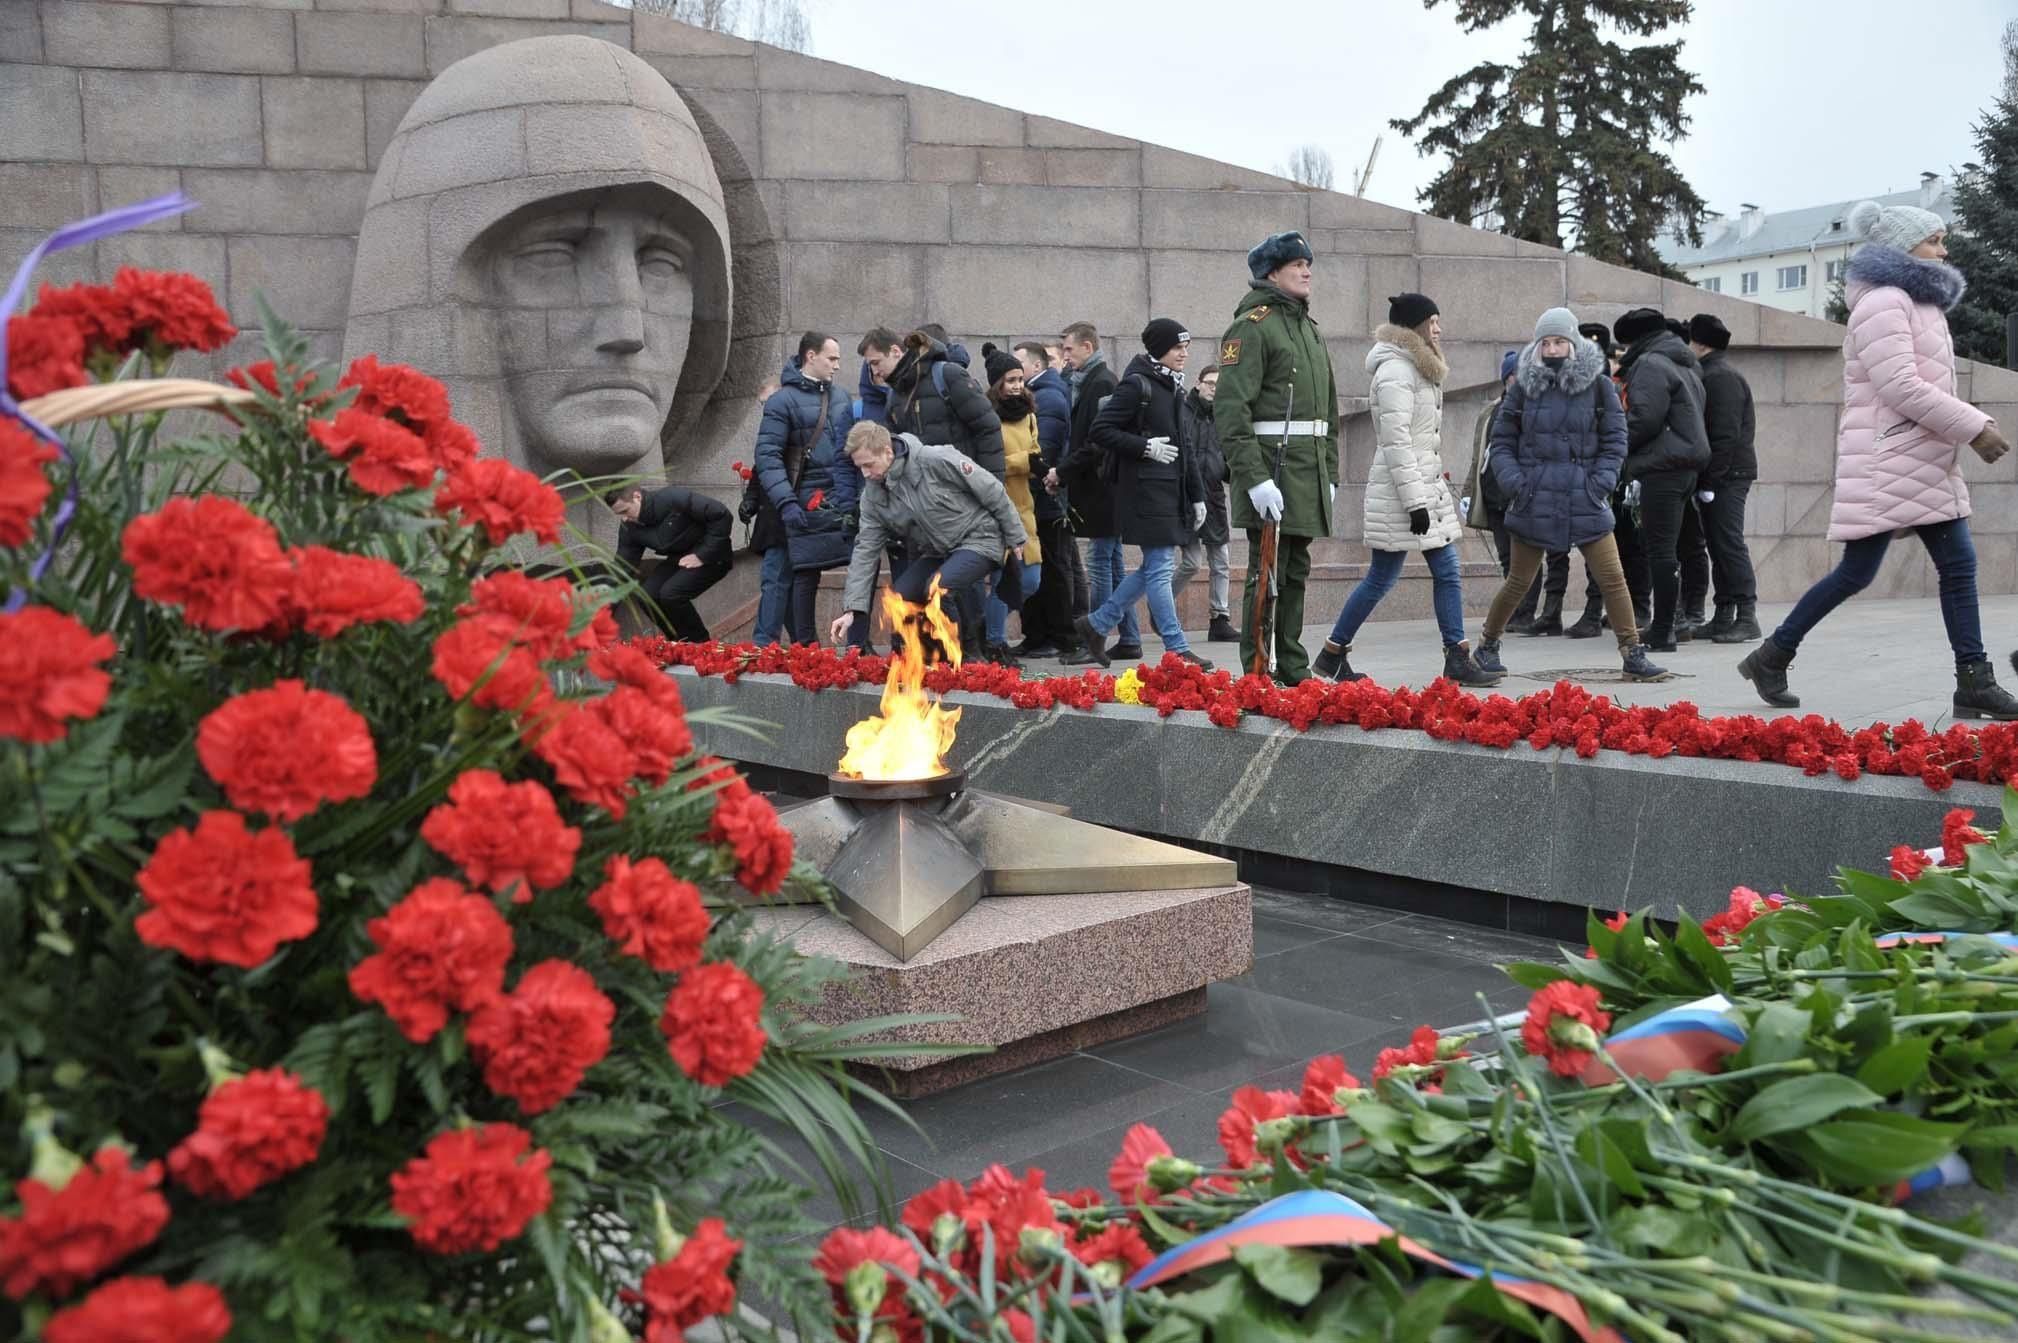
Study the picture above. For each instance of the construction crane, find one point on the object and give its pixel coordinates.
(1359, 187)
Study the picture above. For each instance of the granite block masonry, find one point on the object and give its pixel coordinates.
(1001, 223)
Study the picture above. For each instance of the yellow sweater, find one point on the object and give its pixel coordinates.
(1019, 451)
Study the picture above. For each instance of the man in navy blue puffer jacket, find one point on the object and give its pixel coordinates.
(806, 410)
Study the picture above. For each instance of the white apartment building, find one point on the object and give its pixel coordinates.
(1789, 259)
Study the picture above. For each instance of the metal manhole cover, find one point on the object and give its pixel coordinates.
(1590, 675)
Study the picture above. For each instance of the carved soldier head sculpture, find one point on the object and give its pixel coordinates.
(546, 234)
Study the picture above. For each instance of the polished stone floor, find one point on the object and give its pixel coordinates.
(1328, 977)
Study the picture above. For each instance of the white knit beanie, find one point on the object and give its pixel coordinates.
(1557, 322)
(1902, 226)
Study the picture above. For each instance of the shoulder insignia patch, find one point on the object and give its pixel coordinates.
(966, 467)
(1256, 314)
(1229, 351)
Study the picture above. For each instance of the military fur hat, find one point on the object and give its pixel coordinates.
(1707, 330)
(1637, 322)
(1275, 251)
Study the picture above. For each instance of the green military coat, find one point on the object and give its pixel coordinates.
(1274, 344)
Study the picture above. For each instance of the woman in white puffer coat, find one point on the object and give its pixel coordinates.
(1410, 505)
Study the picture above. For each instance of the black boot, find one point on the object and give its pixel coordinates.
(1222, 631)
(1092, 645)
(1331, 663)
(1126, 652)
(1727, 616)
(1550, 621)
(1744, 625)
(1487, 657)
(1689, 619)
(1658, 637)
(1766, 668)
(1523, 619)
(1591, 622)
(1459, 667)
(1977, 694)
(1639, 668)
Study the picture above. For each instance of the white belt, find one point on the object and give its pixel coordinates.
(1293, 428)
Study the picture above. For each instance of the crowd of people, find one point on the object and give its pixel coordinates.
(1020, 484)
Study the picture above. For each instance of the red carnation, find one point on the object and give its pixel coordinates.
(1128, 1174)
(533, 612)
(473, 1189)
(503, 500)
(225, 893)
(384, 457)
(1746, 905)
(250, 1132)
(170, 310)
(1251, 1108)
(625, 664)
(222, 565)
(333, 591)
(397, 392)
(1957, 835)
(748, 823)
(1565, 1026)
(49, 673)
(503, 835)
(658, 739)
(1120, 1245)
(922, 1211)
(1008, 1206)
(1421, 1051)
(589, 760)
(859, 1290)
(713, 1023)
(143, 1310)
(264, 375)
(286, 750)
(1323, 1078)
(65, 1237)
(472, 656)
(44, 354)
(536, 1042)
(651, 914)
(691, 1286)
(1617, 923)
(99, 318)
(1908, 862)
(24, 485)
(440, 950)
(453, 444)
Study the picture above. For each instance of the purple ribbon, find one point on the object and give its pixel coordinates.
(70, 235)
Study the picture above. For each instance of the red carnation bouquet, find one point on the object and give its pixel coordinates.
(368, 966)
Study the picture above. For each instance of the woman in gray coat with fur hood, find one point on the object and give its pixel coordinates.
(1558, 445)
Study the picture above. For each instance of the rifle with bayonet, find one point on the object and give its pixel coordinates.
(1268, 579)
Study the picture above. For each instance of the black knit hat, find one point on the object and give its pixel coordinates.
(1410, 310)
(1163, 335)
(998, 363)
(1710, 331)
(1637, 322)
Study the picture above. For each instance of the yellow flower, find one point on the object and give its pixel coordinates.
(1128, 690)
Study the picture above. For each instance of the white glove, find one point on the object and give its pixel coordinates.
(1197, 516)
(1632, 494)
(1160, 450)
(1267, 500)
(1706, 496)
(1464, 506)
(1333, 501)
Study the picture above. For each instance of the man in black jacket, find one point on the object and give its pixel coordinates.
(1083, 474)
(1047, 617)
(692, 531)
(934, 397)
(1212, 542)
(1666, 446)
(1724, 487)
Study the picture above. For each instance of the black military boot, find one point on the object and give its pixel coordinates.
(1487, 657)
(1658, 637)
(1591, 622)
(1744, 626)
(1727, 616)
(1689, 619)
(1222, 630)
(1331, 663)
(1459, 667)
(1766, 668)
(1550, 621)
(1977, 694)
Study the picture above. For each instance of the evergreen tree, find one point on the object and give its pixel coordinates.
(1562, 145)
(1984, 241)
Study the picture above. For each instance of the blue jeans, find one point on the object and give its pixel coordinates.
(998, 610)
(1152, 580)
(1447, 595)
(1954, 555)
(774, 597)
(1105, 574)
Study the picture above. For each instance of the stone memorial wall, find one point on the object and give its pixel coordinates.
(849, 199)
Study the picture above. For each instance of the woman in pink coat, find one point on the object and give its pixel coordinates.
(1897, 450)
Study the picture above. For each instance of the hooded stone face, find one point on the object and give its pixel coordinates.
(546, 234)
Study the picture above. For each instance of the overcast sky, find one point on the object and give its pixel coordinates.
(1806, 101)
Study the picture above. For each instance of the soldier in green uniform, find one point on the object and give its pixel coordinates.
(1273, 366)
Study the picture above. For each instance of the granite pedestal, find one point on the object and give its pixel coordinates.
(1032, 977)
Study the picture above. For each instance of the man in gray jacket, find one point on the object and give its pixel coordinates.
(953, 518)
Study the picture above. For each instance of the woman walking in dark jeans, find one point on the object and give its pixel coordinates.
(1898, 450)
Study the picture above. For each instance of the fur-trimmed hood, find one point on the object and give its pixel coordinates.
(1586, 365)
(1400, 342)
(1876, 266)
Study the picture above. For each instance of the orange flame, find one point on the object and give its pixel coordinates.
(914, 732)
